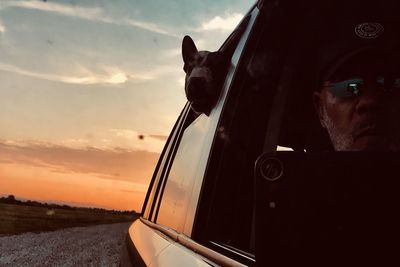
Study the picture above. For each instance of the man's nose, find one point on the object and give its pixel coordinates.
(371, 100)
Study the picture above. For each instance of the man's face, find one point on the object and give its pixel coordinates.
(361, 111)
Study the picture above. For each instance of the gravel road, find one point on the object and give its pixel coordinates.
(98, 245)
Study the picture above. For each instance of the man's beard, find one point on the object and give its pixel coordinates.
(345, 140)
(340, 141)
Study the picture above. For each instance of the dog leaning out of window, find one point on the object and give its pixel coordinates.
(205, 71)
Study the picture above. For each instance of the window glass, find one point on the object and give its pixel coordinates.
(179, 186)
(246, 130)
(166, 155)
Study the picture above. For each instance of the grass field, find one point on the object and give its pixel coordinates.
(15, 219)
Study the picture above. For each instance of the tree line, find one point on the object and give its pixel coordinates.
(10, 199)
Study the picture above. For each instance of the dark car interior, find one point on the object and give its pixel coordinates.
(324, 207)
(345, 198)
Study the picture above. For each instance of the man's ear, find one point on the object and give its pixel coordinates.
(318, 107)
(189, 49)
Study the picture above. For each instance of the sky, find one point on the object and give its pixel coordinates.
(81, 81)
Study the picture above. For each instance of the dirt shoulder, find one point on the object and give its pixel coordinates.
(98, 245)
(16, 219)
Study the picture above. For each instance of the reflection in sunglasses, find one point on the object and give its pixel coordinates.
(354, 87)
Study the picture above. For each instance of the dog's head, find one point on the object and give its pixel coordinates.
(204, 72)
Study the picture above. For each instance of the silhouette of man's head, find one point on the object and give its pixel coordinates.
(358, 100)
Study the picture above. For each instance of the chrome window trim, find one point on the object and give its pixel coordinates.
(185, 241)
(243, 255)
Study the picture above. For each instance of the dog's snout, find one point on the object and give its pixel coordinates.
(197, 81)
(196, 88)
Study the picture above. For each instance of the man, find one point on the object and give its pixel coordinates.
(358, 100)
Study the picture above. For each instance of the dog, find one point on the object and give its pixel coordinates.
(204, 72)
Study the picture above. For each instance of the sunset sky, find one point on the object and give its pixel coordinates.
(81, 80)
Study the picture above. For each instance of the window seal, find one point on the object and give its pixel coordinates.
(235, 251)
(197, 248)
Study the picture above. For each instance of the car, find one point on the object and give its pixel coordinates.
(256, 181)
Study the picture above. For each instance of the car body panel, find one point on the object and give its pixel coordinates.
(176, 255)
(161, 246)
(147, 242)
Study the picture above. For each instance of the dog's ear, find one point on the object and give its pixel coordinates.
(189, 49)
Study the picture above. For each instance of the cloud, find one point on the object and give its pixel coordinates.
(225, 24)
(108, 75)
(87, 13)
(82, 75)
(162, 70)
(110, 140)
(118, 77)
(116, 164)
(136, 141)
(73, 11)
(2, 28)
(172, 53)
(159, 137)
(146, 26)
(131, 191)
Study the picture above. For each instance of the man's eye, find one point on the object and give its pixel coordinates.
(354, 88)
(389, 83)
(396, 83)
(347, 88)
(380, 80)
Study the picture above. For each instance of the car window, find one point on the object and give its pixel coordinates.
(179, 199)
(155, 184)
(178, 188)
(251, 126)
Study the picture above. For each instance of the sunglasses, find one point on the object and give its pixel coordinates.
(355, 87)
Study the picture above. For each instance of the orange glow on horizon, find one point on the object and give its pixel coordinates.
(74, 189)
